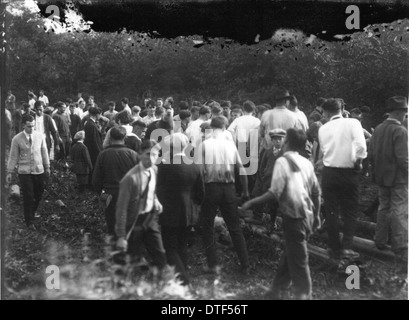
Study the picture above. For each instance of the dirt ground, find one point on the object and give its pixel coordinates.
(73, 238)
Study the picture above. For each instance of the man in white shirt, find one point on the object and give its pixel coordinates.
(125, 105)
(194, 132)
(343, 147)
(43, 98)
(151, 108)
(293, 106)
(278, 118)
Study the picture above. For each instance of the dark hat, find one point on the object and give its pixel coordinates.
(356, 110)
(282, 94)
(397, 102)
(277, 133)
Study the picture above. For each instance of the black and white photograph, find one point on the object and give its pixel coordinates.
(213, 152)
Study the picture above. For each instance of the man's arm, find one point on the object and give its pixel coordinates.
(243, 177)
(401, 149)
(121, 213)
(44, 156)
(13, 157)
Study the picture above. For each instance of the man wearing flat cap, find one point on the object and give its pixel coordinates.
(388, 154)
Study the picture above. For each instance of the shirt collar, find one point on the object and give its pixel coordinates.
(146, 170)
(338, 116)
(394, 121)
(27, 135)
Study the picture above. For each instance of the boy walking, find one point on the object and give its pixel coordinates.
(82, 162)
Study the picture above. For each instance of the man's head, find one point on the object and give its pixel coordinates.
(293, 103)
(236, 111)
(80, 136)
(194, 112)
(260, 110)
(41, 93)
(219, 122)
(95, 112)
(185, 116)
(365, 110)
(226, 106)
(151, 107)
(72, 108)
(159, 112)
(136, 110)
(139, 128)
(39, 108)
(28, 123)
(31, 95)
(356, 113)
(149, 153)
(81, 105)
(295, 140)
(159, 102)
(91, 99)
(320, 101)
(79, 95)
(249, 107)
(332, 107)
(111, 105)
(204, 113)
(25, 106)
(277, 137)
(124, 102)
(397, 107)
(282, 97)
(216, 109)
(9, 92)
(183, 105)
(124, 117)
(168, 102)
(118, 135)
(61, 107)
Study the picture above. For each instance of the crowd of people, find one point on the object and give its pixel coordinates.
(162, 168)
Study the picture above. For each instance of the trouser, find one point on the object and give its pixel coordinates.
(222, 195)
(32, 187)
(65, 148)
(175, 242)
(150, 236)
(82, 180)
(340, 190)
(110, 212)
(293, 266)
(393, 216)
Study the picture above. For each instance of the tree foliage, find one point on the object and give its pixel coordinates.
(367, 69)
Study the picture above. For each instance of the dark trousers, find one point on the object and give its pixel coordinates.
(32, 187)
(149, 236)
(65, 148)
(223, 196)
(110, 212)
(175, 242)
(340, 190)
(293, 266)
(82, 180)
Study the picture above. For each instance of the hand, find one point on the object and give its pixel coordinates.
(122, 244)
(316, 224)
(358, 165)
(158, 206)
(57, 148)
(47, 172)
(8, 178)
(60, 140)
(247, 205)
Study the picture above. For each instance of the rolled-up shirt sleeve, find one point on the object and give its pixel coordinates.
(278, 180)
(359, 140)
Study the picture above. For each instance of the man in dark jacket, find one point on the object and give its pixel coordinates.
(388, 153)
(93, 136)
(76, 124)
(44, 124)
(62, 121)
(180, 188)
(82, 162)
(111, 166)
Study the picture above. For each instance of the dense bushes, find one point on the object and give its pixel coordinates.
(367, 69)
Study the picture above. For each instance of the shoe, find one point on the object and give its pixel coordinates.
(349, 254)
(36, 215)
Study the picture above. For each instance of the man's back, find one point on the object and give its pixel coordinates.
(112, 165)
(388, 152)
